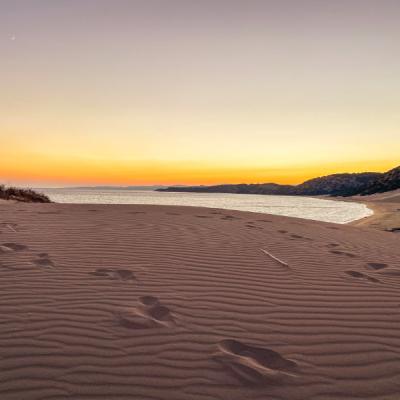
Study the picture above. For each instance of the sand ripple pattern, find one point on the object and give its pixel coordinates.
(183, 303)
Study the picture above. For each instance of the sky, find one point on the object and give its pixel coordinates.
(143, 92)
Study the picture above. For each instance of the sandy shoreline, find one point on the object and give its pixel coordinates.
(168, 302)
(385, 207)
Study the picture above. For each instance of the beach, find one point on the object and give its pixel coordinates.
(170, 302)
(386, 208)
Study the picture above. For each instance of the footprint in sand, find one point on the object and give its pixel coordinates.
(115, 274)
(384, 269)
(333, 245)
(294, 236)
(360, 275)
(376, 266)
(343, 253)
(253, 226)
(254, 365)
(228, 217)
(149, 313)
(8, 247)
(44, 260)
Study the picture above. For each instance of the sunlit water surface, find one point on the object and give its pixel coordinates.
(292, 206)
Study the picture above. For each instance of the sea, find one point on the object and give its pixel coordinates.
(340, 212)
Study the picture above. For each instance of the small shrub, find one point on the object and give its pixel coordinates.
(24, 195)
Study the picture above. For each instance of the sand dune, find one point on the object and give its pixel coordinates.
(162, 302)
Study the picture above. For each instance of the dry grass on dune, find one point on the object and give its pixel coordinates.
(118, 302)
(23, 195)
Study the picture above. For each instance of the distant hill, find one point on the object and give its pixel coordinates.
(384, 183)
(333, 185)
(243, 188)
(337, 184)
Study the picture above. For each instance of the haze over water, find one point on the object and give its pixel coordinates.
(293, 206)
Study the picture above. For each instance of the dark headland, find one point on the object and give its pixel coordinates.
(365, 183)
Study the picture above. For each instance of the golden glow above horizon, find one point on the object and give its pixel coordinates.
(197, 94)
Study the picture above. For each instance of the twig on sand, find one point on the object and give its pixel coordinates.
(11, 228)
(275, 258)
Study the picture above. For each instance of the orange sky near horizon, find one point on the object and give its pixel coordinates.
(100, 172)
(120, 92)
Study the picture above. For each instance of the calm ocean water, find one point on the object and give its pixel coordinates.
(293, 206)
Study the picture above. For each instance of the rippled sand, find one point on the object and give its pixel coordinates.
(161, 302)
